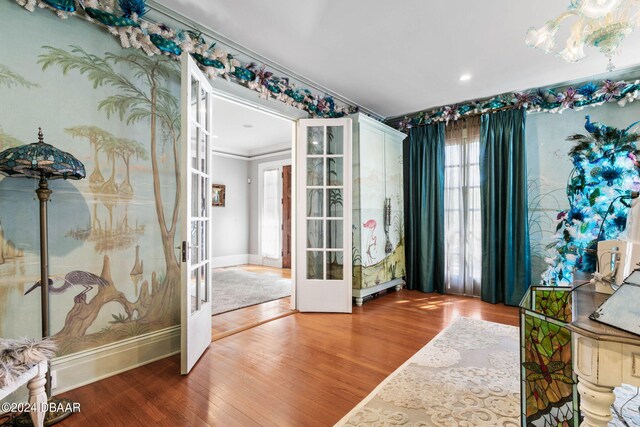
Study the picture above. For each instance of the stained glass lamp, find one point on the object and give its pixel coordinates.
(44, 162)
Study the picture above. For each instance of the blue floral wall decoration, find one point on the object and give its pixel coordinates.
(550, 100)
(606, 169)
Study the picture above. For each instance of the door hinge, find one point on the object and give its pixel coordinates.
(184, 251)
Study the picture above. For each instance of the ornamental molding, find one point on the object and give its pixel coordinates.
(128, 21)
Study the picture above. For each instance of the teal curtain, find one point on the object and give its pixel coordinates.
(424, 208)
(504, 211)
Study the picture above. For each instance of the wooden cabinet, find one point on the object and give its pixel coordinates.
(378, 208)
(604, 357)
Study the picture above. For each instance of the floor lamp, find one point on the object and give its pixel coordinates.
(44, 162)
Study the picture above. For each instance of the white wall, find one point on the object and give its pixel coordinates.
(235, 226)
(231, 222)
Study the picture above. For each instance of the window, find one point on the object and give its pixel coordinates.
(270, 218)
(463, 245)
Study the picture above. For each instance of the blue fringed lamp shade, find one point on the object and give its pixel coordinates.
(40, 159)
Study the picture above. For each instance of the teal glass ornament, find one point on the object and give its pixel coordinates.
(109, 19)
(64, 5)
(464, 109)
(244, 74)
(165, 45)
(295, 95)
(274, 88)
(587, 89)
(129, 7)
(629, 88)
(208, 62)
(494, 103)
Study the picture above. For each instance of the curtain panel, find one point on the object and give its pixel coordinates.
(424, 208)
(504, 207)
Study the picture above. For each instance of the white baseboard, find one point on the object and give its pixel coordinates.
(89, 366)
(270, 262)
(230, 260)
(253, 259)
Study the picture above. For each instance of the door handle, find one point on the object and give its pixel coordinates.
(184, 249)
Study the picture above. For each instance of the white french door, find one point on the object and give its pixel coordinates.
(196, 213)
(323, 216)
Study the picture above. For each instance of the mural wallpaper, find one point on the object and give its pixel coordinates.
(599, 190)
(378, 217)
(549, 167)
(112, 236)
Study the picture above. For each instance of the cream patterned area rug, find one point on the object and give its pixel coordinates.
(233, 288)
(468, 375)
(626, 407)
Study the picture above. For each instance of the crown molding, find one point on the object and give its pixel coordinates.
(185, 21)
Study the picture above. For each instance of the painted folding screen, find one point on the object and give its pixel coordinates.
(549, 388)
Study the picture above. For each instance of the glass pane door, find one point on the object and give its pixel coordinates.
(324, 221)
(196, 246)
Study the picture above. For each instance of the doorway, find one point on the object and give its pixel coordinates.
(252, 279)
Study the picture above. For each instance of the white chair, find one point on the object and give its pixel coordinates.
(35, 380)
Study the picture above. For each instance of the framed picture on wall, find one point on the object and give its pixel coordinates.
(217, 195)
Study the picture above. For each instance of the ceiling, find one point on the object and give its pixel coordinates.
(397, 57)
(245, 131)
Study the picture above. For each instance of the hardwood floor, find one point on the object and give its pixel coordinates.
(300, 370)
(232, 322)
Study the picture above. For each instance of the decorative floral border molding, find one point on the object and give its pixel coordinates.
(126, 22)
(546, 100)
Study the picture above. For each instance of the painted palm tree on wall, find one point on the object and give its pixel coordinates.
(122, 148)
(126, 149)
(97, 137)
(143, 96)
(109, 194)
(10, 78)
(103, 141)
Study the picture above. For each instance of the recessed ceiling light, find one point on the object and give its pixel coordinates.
(214, 136)
(465, 77)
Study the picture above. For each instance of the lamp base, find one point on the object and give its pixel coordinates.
(59, 409)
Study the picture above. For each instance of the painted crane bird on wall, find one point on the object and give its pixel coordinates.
(74, 278)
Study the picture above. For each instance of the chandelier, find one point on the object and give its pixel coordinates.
(602, 24)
